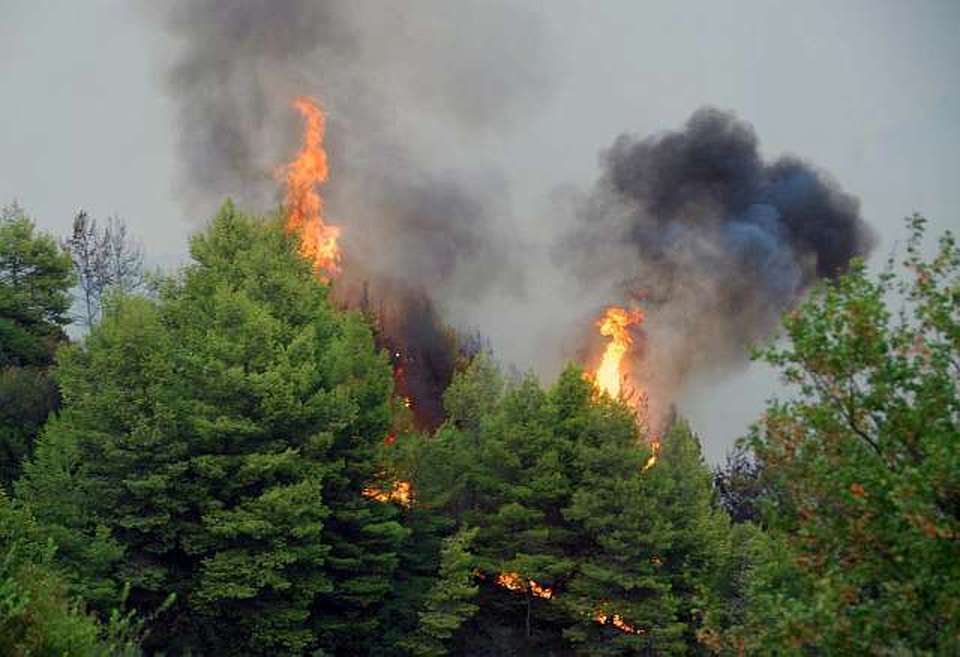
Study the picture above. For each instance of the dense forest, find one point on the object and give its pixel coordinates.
(219, 464)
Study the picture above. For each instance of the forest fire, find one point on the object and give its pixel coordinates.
(400, 492)
(319, 240)
(515, 582)
(615, 324)
(304, 205)
(611, 374)
(617, 621)
(319, 243)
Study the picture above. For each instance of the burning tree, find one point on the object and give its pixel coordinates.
(577, 540)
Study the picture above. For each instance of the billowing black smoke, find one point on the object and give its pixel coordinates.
(785, 222)
(714, 241)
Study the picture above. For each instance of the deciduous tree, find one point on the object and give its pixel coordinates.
(866, 463)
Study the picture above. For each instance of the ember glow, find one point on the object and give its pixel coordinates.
(304, 205)
(400, 492)
(515, 582)
(617, 621)
(615, 324)
(654, 453)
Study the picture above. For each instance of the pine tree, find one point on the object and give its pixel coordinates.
(580, 546)
(35, 278)
(450, 600)
(620, 600)
(38, 615)
(224, 435)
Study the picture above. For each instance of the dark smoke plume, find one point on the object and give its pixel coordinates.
(715, 242)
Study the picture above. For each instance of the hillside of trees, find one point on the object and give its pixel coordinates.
(219, 465)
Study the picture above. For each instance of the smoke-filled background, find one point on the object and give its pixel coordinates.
(421, 226)
(714, 242)
(464, 141)
(391, 76)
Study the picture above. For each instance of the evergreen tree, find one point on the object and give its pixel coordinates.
(54, 490)
(35, 277)
(37, 614)
(450, 600)
(655, 545)
(580, 546)
(224, 435)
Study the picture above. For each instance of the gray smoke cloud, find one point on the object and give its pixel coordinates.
(713, 241)
(693, 225)
(392, 77)
(406, 87)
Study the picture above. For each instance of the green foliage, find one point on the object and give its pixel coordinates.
(35, 276)
(564, 508)
(865, 558)
(450, 601)
(37, 617)
(27, 397)
(218, 443)
(54, 488)
(223, 435)
(656, 547)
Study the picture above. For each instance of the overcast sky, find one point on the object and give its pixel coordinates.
(868, 90)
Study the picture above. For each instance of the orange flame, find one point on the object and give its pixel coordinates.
(617, 621)
(304, 205)
(610, 375)
(515, 582)
(654, 453)
(615, 325)
(400, 492)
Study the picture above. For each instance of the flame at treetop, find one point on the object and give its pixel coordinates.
(615, 324)
(304, 205)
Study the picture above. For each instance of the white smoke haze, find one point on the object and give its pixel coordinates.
(692, 225)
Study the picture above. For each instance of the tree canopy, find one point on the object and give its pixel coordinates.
(35, 278)
(231, 472)
(863, 554)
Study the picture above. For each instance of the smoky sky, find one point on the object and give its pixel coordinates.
(710, 176)
(420, 224)
(696, 226)
(384, 72)
(693, 224)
